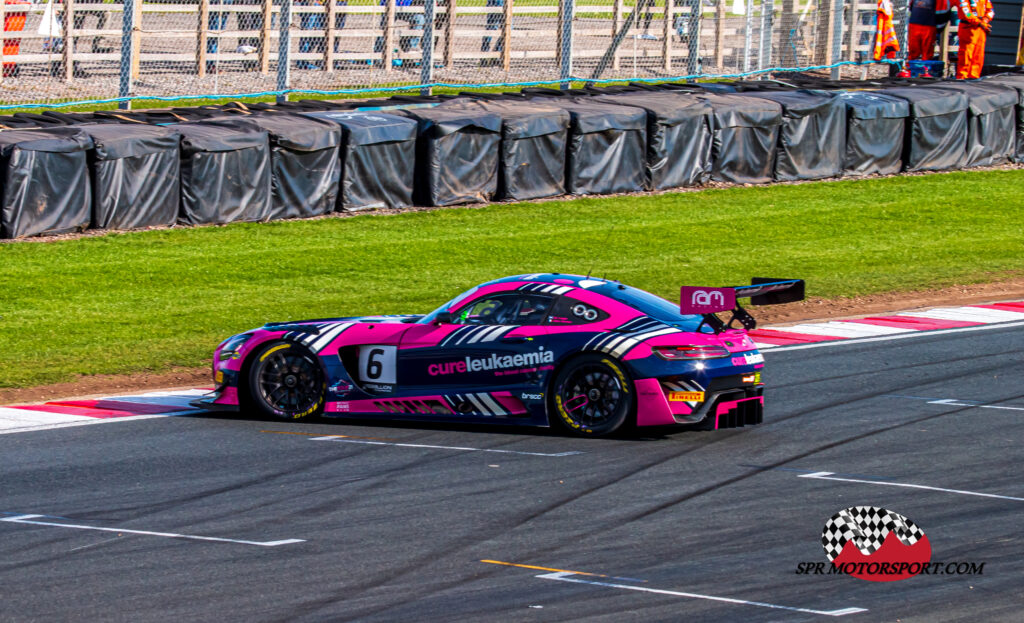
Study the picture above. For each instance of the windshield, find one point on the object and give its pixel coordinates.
(429, 318)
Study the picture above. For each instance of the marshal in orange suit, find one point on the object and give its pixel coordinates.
(975, 24)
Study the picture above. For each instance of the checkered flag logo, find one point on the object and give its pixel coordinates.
(866, 527)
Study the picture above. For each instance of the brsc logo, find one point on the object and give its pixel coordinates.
(875, 544)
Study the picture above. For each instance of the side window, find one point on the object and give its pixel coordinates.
(569, 311)
(505, 309)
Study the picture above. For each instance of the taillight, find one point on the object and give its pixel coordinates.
(684, 353)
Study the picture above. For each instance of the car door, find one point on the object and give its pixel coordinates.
(492, 342)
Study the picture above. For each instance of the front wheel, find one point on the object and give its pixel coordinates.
(286, 381)
(592, 396)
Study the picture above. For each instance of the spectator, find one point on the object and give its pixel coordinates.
(975, 23)
(416, 22)
(926, 18)
(311, 21)
(101, 22)
(495, 21)
(218, 21)
(886, 45)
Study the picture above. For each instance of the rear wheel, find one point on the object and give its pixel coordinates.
(592, 396)
(286, 381)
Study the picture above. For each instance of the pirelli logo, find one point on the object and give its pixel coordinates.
(686, 396)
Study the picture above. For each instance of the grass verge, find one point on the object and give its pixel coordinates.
(153, 300)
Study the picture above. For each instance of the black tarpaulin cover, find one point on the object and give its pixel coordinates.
(304, 165)
(225, 172)
(746, 135)
(378, 159)
(607, 145)
(936, 138)
(533, 145)
(991, 123)
(679, 136)
(135, 175)
(19, 121)
(45, 181)
(1016, 81)
(875, 124)
(456, 155)
(812, 136)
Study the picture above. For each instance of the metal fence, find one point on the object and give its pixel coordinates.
(68, 50)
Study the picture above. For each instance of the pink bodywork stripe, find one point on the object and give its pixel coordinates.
(652, 408)
(352, 406)
(372, 406)
(509, 402)
(228, 397)
(618, 311)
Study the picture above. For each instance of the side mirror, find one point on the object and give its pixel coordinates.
(443, 318)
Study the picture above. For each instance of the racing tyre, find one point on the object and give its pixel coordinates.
(591, 396)
(286, 381)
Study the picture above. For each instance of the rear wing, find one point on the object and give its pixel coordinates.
(761, 291)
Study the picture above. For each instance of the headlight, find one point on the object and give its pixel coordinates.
(230, 347)
(689, 353)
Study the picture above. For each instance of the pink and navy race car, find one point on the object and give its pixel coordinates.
(582, 353)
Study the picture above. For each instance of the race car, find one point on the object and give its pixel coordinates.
(589, 355)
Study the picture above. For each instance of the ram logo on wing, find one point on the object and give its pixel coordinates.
(703, 300)
(703, 297)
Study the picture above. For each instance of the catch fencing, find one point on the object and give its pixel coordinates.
(75, 51)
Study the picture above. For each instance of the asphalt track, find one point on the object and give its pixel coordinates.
(100, 522)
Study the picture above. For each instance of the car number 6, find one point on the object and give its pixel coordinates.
(377, 364)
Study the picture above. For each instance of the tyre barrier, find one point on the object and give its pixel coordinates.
(225, 172)
(875, 122)
(534, 138)
(607, 147)
(1016, 82)
(377, 152)
(63, 172)
(135, 172)
(679, 137)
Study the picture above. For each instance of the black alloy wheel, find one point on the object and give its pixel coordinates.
(592, 396)
(286, 381)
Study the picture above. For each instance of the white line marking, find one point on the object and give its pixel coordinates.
(419, 445)
(563, 576)
(955, 403)
(31, 519)
(830, 329)
(8, 425)
(970, 314)
(901, 336)
(829, 476)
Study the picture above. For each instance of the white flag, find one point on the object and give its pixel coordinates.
(48, 26)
